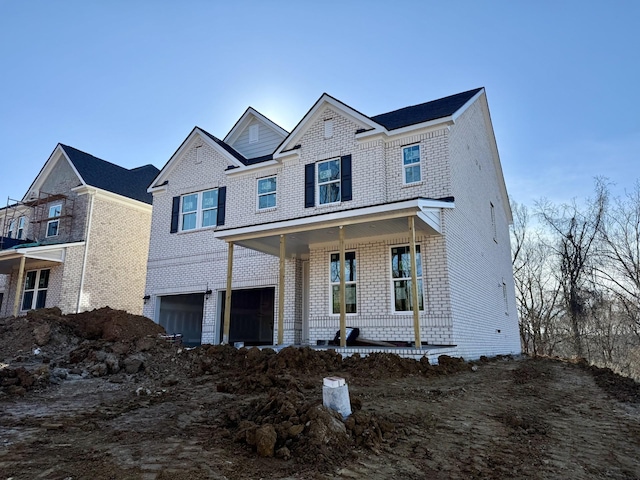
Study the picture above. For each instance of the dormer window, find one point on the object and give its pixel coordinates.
(254, 132)
(55, 211)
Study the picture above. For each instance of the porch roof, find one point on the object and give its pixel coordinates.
(357, 223)
(51, 254)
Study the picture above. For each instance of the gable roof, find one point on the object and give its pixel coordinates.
(245, 120)
(99, 173)
(424, 112)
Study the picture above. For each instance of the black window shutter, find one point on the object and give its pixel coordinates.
(345, 180)
(175, 214)
(222, 203)
(309, 185)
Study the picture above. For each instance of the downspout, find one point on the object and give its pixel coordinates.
(86, 250)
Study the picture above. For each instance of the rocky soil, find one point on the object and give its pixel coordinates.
(101, 395)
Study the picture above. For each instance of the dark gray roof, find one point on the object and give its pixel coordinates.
(237, 155)
(424, 112)
(113, 178)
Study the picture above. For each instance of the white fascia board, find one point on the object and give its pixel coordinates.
(287, 154)
(390, 135)
(345, 217)
(428, 203)
(251, 168)
(57, 154)
(469, 102)
(114, 197)
(325, 99)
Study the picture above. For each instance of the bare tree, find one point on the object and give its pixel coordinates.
(574, 231)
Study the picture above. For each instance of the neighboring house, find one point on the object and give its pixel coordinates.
(275, 217)
(78, 239)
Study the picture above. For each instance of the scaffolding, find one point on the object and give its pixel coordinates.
(35, 210)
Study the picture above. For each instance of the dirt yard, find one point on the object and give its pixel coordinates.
(99, 396)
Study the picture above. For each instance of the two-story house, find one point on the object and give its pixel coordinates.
(395, 224)
(78, 239)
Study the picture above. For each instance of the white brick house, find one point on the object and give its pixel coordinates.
(78, 239)
(343, 192)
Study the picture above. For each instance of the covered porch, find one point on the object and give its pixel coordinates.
(26, 257)
(292, 239)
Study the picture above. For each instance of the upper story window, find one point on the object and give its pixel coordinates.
(199, 210)
(12, 228)
(329, 181)
(21, 222)
(53, 225)
(411, 164)
(266, 193)
(349, 281)
(401, 278)
(254, 133)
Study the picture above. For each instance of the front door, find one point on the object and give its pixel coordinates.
(251, 316)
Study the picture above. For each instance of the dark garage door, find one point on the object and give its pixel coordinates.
(183, 314)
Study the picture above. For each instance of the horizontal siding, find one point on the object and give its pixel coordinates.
(268, 140)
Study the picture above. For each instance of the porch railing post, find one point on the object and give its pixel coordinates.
(343, 295)
(414, 283)
(281, 292)
(227, 296)
(16, 302)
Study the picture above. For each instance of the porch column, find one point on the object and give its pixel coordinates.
(414, 283)
(343, 296)
(16, 302)
(281, 293)
(227, 296)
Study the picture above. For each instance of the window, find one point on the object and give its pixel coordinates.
(254, 132)
(12, 227)
(20, 228)
(411, 164)
(329, 181)
(349, 280)
(199, 210)
(52, 225)
(401, 278)
(266, 193)
(36, 283)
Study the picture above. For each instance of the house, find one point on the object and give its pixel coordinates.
(78, 239)
(395, 224)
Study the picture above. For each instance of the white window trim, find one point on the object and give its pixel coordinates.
(258, 194)
(394, 280)
(198, 211)
(332, 284)
(56, 221)
(12, 227)
(411, 165)
(338, 181)
(35, 290)
(20, 231)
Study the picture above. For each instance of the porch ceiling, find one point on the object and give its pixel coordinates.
(49, 255)
(367, 222)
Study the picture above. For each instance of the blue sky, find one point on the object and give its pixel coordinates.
(127, 80)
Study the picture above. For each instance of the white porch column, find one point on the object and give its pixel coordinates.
(227, 296)
(343, 296)
(414, 283)
(16, 302)
(281, 293)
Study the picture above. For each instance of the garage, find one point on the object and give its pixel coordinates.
(251, 316)
(183, 314)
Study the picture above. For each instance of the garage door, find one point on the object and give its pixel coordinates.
(183, 314)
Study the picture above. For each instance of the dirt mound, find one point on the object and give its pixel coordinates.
(622, 388)
(286, 425)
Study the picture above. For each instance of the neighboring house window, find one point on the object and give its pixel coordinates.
(493, 223)
(20, 228)
(254, 132)
(266, 192)
(329, 181)
(401, 278)
(349, 279)
(53, 225)
(12, 227)
(199, 210)
(411, 164)
(35, 289)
